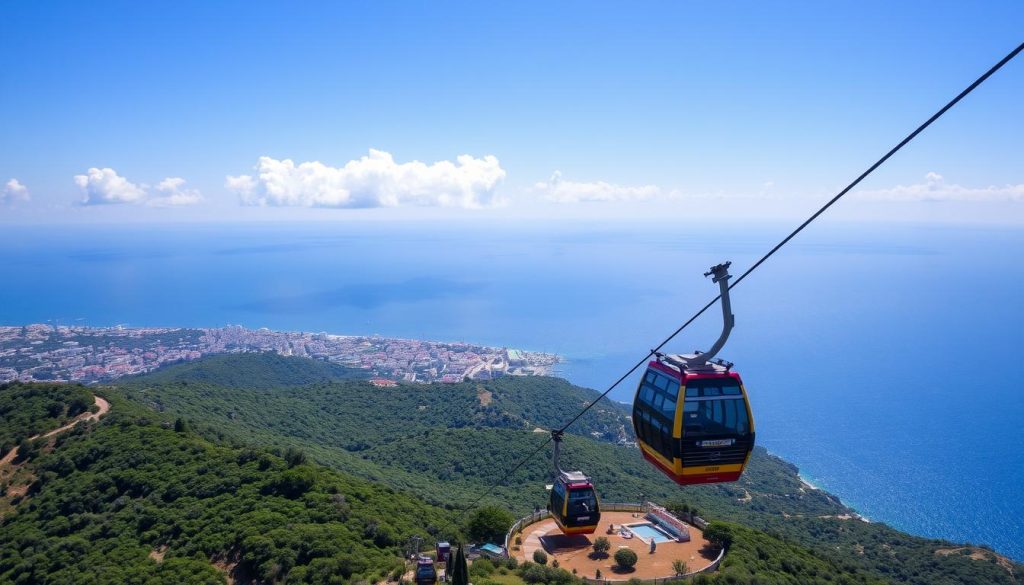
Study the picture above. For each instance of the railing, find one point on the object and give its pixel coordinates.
(542, 514)
(625, 507)
(661, 580)
(536, 516)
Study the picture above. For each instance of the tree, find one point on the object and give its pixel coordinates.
(601, 547)
(680, 567)
(292, 483)
(27, 449)
(540, 557)
(719, 535)
(460, 573)
(180, 425)
(625, 558)
(293, 457)
(78, 405)
(489, 524)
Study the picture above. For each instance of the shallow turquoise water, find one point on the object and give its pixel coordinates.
(649, 532)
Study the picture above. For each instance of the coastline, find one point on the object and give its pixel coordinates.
(811, 486)
(87, 354)
(559, 368)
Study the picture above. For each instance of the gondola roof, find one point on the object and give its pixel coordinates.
(678, 364)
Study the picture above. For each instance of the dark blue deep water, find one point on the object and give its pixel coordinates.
(884, 361)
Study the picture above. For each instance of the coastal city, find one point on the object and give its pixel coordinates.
(95, 354)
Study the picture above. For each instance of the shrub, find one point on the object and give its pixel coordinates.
(532, 573)
(26, 451)
(680, 567)
(489, 524)
(625, 558)
(481, 567)
(294, 457)
(718, 534)
(601, 547)
(540, 557)
(78, 405)
(293, 482)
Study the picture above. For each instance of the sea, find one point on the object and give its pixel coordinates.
(882, 359)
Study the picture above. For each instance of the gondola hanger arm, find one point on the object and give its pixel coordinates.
(721, 276)
(556, 437)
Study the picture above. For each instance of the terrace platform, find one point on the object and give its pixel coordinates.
(574, 552)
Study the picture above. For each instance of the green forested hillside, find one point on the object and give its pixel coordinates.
(446, 443)
(111, 498)
(30, 409)
(756, 557)
(136, 498)
(355, 415)
(140, 498)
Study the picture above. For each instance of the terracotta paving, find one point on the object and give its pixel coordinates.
(573, 552)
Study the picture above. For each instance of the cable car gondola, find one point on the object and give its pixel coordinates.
(691, 415)
(425, 573)
(573, 504)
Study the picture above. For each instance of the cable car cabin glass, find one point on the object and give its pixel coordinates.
(574, 504)
(695, 427)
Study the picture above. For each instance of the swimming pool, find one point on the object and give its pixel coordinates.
(647, 531)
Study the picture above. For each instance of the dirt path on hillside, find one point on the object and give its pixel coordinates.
(103, 405)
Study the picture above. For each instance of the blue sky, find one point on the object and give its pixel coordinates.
(190, 110)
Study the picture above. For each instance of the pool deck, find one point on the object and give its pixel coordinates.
(573, 552)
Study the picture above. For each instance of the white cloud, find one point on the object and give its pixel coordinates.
(374, 180)
(172, 192)
(14, 191)
(935, 188)
(561, 191)
(106, 186)
(103, 186)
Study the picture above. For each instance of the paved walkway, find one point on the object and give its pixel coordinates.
(531, 540)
